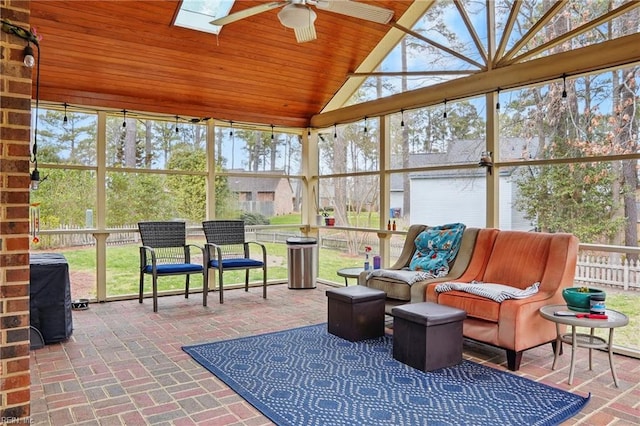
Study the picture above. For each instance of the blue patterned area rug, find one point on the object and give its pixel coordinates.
(306, 376)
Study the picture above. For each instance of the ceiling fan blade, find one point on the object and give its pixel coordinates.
(305, 34)
(245, 13)
(357, 10)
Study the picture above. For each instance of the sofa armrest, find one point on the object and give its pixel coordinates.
(419, 289)
(409, 246)
(520, 325)
(362, 278)
(405, 256)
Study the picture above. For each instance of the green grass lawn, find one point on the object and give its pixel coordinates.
(123, 265)
(626, 302)
(287, 219)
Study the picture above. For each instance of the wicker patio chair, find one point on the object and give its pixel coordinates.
(164, 251)
(227, 250)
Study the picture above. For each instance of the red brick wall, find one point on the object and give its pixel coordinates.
(15, 113)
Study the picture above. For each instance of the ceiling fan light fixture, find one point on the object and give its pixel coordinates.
(297, 16)
(305, 34)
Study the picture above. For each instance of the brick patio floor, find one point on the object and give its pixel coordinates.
(124, 365)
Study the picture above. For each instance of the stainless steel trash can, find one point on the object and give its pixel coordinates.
(303, 269)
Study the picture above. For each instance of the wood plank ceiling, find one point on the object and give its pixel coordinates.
(128, 55)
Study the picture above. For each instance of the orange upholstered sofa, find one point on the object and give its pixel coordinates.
(517, 259)
(514, 258)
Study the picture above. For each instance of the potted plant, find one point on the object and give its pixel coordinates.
(328, 219)
(579, 298)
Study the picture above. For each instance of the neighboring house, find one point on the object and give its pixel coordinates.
(269, 196)
(446, 196)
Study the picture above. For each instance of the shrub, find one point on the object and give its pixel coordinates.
(251, 218)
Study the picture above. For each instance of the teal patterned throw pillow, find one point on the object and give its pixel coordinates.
(436, 247)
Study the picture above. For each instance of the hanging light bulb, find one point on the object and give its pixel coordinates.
(177, 129)
(231, 129)
(401, 118)
(308, 131)
(35, 179)
(124, 119)
(335, 131)
(65, 120)
(498, 102)
(365, 124)
(564, 86)
(34, 176)
(29, 60)
(272, 132)
(445, 109)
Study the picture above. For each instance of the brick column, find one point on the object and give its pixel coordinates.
(15, 128)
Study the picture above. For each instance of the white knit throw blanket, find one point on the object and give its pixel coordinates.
(404, 275)
(497, 292)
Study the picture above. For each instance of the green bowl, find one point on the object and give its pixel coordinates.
(579, 301)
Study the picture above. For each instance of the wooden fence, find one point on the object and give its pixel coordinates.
(73, 236)
(611, 271)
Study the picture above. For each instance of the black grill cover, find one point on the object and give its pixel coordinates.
(50, 292)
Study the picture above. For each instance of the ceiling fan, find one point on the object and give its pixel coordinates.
(300, 16)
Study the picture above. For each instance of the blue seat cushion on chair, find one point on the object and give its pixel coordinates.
(237, 263)
(175, 268)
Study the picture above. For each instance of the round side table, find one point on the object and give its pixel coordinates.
(580, 340)
(349, 273)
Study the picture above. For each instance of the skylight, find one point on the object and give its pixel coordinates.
(196, 14)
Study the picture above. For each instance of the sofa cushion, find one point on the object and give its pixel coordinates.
(475, 306)
(528, 256)
(436, 247)
(395, 289)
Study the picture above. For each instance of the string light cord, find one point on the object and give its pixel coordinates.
(446, 102)
(29, 35)
(35, 131)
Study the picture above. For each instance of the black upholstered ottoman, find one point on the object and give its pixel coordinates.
(356, 312)
(427, 336)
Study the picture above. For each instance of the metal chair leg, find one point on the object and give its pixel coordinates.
(205, 286)
(140, 293)
(264, 283)
(155, 293)
(220, 286)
